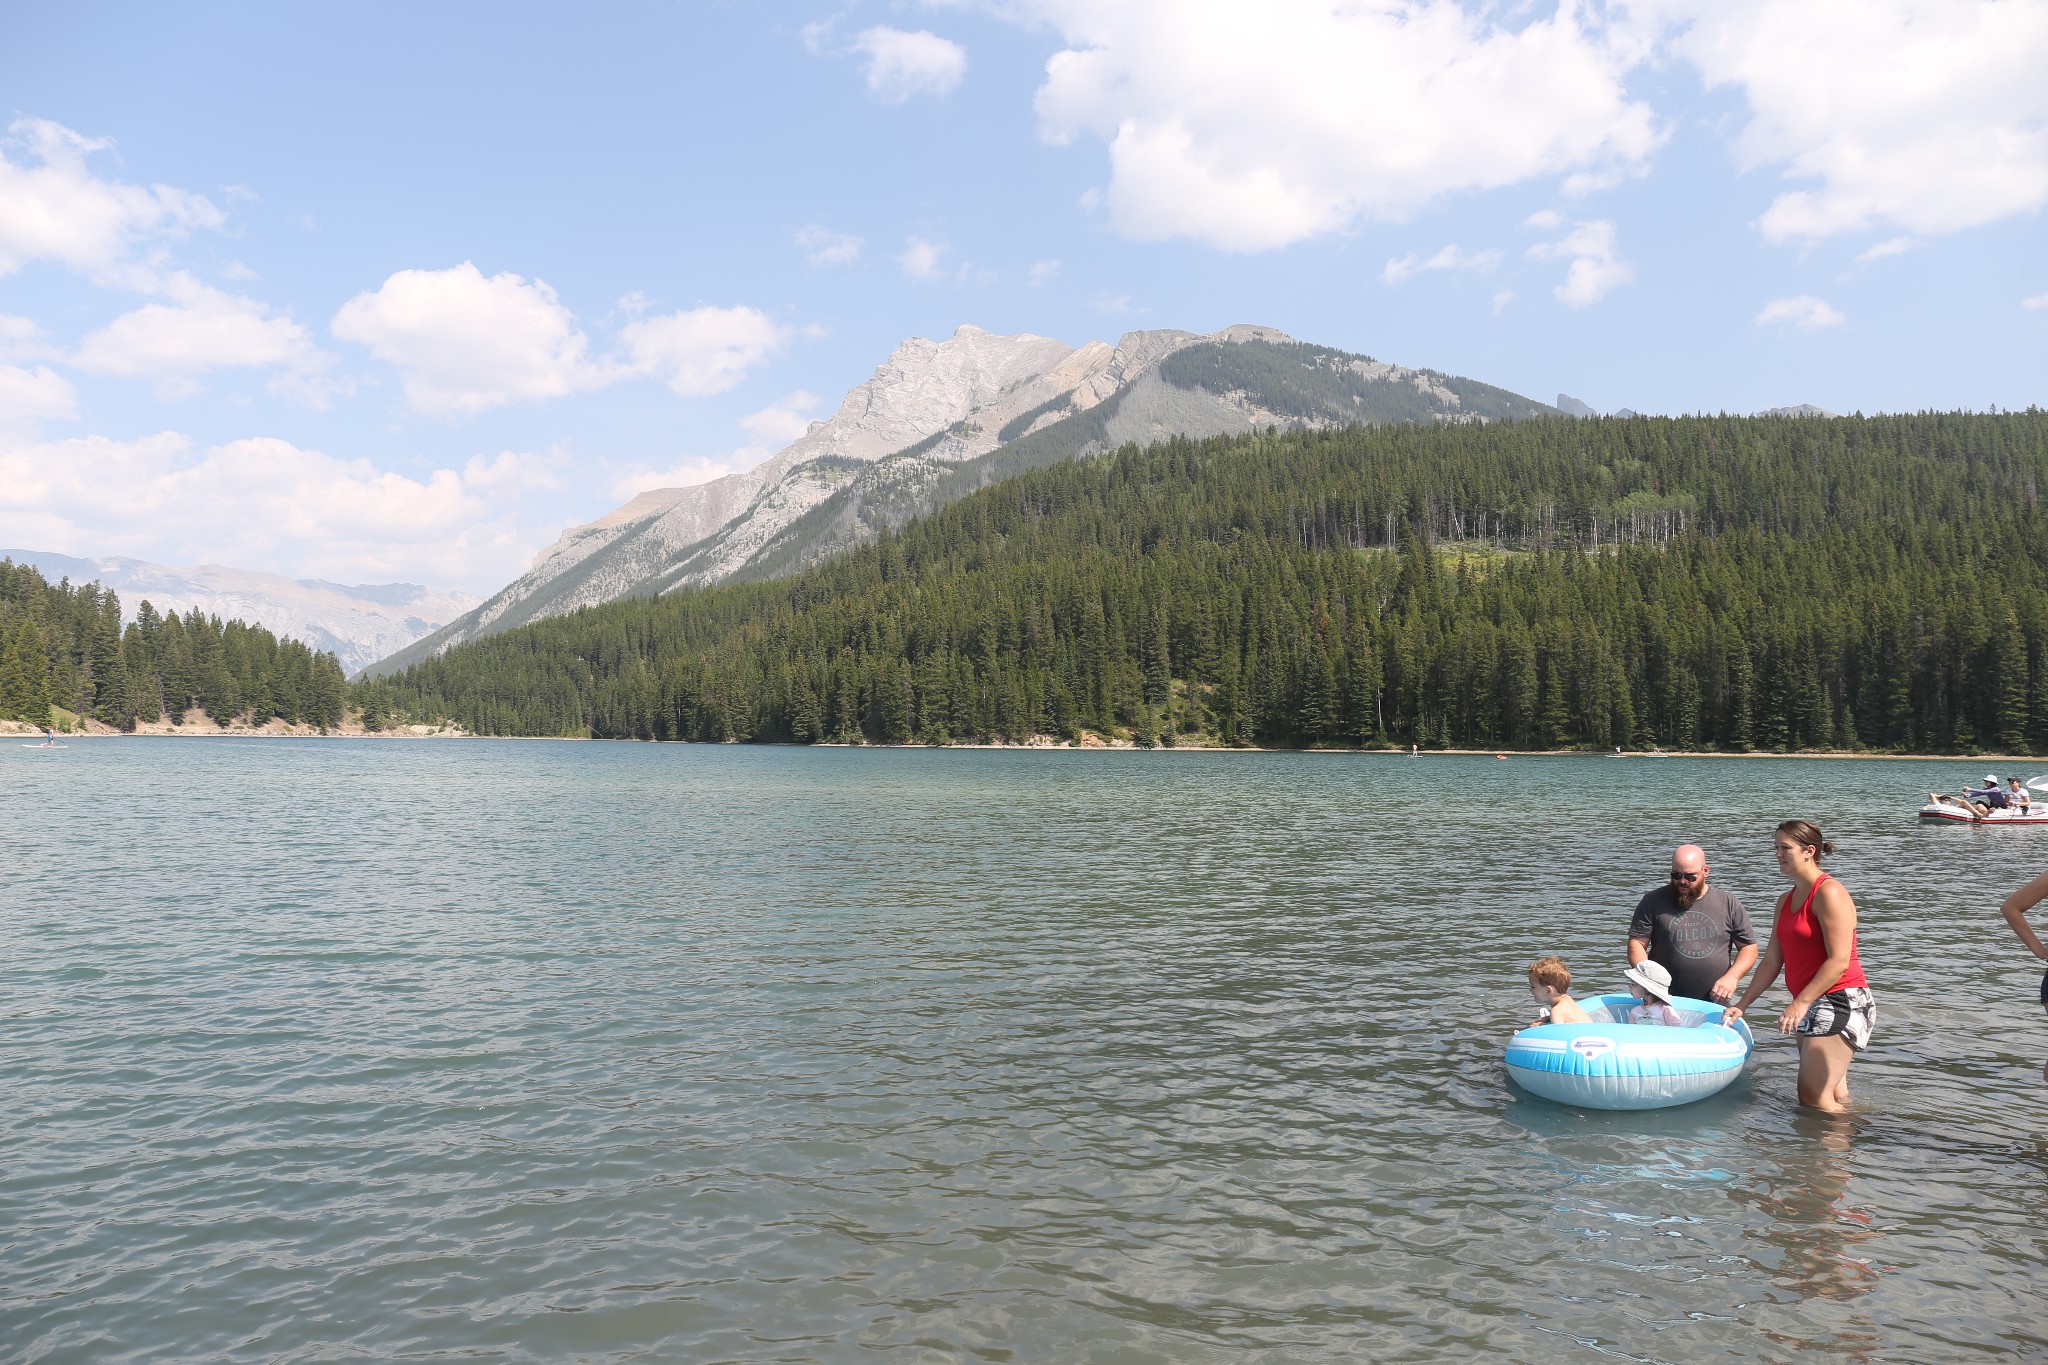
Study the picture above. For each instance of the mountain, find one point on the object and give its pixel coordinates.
(1573, 407)
(1796, 410)
(938, 420)
(358, 624)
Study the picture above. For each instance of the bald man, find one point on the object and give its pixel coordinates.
(1698, 933)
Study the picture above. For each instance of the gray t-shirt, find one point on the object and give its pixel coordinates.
(1696, 944)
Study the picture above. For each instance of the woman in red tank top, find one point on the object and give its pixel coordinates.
(1832, 1007)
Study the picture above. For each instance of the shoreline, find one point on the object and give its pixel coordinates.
(279, 730)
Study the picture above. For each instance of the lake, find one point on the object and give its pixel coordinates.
(335, 1049)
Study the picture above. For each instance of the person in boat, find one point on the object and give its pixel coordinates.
(1698, 933)
(1550, 983)
(1991, 796)
(2016, 796)
(1833, 1008)
(1650, 984)
(1967, 807)
(2015, 911)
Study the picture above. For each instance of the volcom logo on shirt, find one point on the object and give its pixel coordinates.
(1695, 935)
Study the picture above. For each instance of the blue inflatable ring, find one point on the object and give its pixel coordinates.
(1610, 1065)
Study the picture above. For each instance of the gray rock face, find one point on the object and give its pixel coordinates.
(1797, 410)
(931, 423)
(358, 625)
(1572, 407)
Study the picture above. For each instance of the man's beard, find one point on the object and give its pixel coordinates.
(1688, 892)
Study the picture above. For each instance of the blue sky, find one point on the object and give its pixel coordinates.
(392, 292)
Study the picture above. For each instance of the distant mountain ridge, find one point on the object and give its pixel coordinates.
(358, 624)
(937, 420)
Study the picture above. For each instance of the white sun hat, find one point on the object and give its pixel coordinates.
(1653, 977)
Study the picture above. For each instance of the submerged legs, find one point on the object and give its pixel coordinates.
(1824, 1073)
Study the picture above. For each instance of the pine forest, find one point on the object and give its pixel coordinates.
(1714, 583)
(63, 647)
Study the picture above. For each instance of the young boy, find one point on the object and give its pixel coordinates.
(1650, 982)
(2015, 912)
(1549, 982)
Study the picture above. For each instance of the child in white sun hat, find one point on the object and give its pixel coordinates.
(1650, 982)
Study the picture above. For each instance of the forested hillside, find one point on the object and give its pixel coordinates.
(1728, 583)
(64, 646)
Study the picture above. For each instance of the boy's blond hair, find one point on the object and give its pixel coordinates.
(1551, 971)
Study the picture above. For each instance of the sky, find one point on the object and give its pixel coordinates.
(378, 292)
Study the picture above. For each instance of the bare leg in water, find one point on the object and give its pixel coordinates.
(1824, 1074)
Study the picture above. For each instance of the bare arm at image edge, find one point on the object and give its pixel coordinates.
(2015, 912)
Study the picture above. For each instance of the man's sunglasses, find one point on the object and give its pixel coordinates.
(1687, 876)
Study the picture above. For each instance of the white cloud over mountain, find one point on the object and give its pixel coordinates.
(823, 247)
(921, 258)
(1596, 268)
(268, 502)
(1253, 127)
(1452, 257)
(899, 64)
(1930, 115)
(54, 208)
(463, 342)
(1804, 311)
(201, 329)
(29, 398)
(702, 350)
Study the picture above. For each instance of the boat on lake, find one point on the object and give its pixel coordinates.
(1962, 810)
(1942, 810)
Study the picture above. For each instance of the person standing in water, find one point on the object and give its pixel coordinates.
(2015, 912)
(1832, 1007)
(1698, 933)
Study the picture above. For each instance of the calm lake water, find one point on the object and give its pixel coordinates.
(323, 1050)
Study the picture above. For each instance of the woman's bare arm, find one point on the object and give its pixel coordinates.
(2015, 912)
(1766, 976)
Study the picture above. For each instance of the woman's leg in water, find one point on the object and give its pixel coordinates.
(1824, 1073)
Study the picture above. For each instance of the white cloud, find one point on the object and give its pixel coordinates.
(1116, 305)
(203, 329)
(783, 420)
(2039, 301)
(21, 339)
(1892, 246)
(463, 343)
(702, 350)
(901, 64)
(823, 247)
(52, 207)
(267, 503)
(1451, 257)
(1928, 114)
(1544, 220)
(31, 397)
(1251, 127)
(814, 34)
(1043, 273)
(1596, 268)
(1502, 300)
(1803, 311)
(921, 257)
(686, 472)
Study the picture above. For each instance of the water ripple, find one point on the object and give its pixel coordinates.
(361, 1050)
